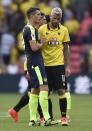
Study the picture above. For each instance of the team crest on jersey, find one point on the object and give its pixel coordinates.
(47, 33)
(53, 41)
(59, 33)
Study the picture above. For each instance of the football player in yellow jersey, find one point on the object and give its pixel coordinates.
(55, 53)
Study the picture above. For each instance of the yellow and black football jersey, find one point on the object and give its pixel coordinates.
(52, 50)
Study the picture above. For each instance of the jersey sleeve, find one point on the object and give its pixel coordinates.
(40, 30)
(27, 34)
(66, 36)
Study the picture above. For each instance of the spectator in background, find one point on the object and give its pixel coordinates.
(26, 4)
(90, 61)
(8, 11)
(54, 3)
(73, 25)
(79, 6)
(15, 18)
(86, 67)
(44, 7)
(64, 3)
(17, 21)
(7, 43)
(85, 25)
(6, 2)
(13, 68)
(86, 60)
(84, 86)
(67, 13)
(3, 22)
(20, 48)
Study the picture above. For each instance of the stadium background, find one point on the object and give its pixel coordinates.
(77, 17)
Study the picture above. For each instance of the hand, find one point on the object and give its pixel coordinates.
(27, 76)
(43, 40)
(67, 71)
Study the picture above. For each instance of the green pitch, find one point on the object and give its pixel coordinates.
(81, 114)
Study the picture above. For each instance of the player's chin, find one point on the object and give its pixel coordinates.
(38, 20)
(55, 24)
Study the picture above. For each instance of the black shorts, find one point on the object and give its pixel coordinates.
(37, 75)
(56, 77)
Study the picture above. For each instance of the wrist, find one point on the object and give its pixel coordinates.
(67, 66)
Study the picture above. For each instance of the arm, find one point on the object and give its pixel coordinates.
(67, 58)
(27, 35)
(66, 52)
(35, 46)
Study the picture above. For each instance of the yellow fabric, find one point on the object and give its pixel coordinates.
(72, 26)
(20, 41)
(37, 70)
(53, 54)
(43, 100)
(13, 7)
(14, 55)
(26, 5)
(62, 96)
(90, 56)
(65, 3)
(33, 104)
(68, 97)
(1, 12)
(44, 8)
(25, 64)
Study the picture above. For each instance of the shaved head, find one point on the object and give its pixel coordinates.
(55, 17)
(56, 11)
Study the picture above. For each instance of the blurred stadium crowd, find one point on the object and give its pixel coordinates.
(77, 17)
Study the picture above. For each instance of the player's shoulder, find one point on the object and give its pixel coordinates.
(62, 27)
(26, 28)
(43, 27)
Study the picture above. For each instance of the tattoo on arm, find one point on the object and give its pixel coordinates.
(66, 54)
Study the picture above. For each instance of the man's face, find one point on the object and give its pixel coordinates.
(43, 20)
(55, 20)
(37, 16)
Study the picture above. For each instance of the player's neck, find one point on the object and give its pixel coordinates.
(34, 24)
(53, 27)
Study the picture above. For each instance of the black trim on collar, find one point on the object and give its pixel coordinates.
(49, 27)
(58, 27)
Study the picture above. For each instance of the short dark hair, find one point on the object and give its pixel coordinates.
(48, 18)
(42, 14)
(31, 11)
